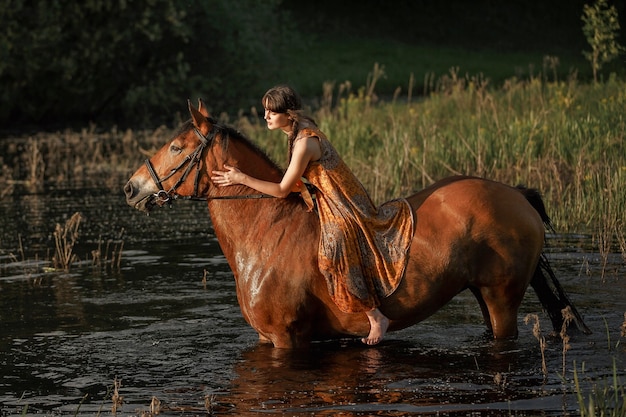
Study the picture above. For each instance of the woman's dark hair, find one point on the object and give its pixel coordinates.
(284, 99)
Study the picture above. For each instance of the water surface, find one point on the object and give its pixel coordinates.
(180, 343)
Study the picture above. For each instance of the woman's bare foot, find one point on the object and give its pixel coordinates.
(378, 327)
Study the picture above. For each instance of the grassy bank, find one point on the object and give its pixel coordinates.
(563, 137)
(560, 136)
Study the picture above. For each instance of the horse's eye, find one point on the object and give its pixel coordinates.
(175, 149)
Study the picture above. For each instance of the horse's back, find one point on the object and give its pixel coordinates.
(470, 233)
(471, 202)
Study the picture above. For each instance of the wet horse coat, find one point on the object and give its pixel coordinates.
(470, 233)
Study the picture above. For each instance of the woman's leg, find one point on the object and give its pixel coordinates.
(378, 327)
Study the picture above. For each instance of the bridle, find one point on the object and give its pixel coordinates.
(163, 197)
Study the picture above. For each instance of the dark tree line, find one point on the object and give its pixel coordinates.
(511, 25)
(132, 61)
(124, 60)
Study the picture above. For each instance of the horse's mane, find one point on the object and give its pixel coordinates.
(229, 133)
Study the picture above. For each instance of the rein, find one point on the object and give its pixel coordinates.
(193, 159)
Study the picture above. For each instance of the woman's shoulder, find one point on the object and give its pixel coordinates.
(310, 130)
(307, 133)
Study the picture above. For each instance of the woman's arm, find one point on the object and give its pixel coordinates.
(305, 150)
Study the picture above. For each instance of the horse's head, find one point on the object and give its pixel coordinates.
(177, 169)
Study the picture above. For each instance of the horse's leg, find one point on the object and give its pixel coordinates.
(507, 265)
(290, 332)
(483, 308)
(285, 339)
(503, 304)
(290, 340)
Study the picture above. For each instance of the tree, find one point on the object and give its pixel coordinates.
(135, 63)
(601, 28)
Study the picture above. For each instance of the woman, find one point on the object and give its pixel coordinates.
(363, 249)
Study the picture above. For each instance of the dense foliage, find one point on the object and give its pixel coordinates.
(564, 138)
(512, 25)
(67, 60)
(65, 63)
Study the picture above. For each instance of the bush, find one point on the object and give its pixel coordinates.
(125, 62)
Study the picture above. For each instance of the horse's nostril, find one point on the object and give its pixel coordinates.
(128, 189)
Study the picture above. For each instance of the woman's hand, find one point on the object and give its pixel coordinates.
(231, 176)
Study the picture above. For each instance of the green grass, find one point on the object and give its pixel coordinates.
(563, 137)
(604, 399)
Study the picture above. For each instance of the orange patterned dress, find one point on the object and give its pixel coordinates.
(363, 249)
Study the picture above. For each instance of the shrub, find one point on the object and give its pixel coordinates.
(127, 61)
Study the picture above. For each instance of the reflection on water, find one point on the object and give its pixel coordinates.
(159, 329)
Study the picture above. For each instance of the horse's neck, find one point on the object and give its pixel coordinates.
(250, 229)
(252, 232)
(235, 220)
(253, 162)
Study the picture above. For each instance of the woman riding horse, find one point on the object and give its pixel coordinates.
(362, 249)
(469, 234)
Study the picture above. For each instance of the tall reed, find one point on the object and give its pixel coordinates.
(540, 338)
(110, 256)
(65, 237)
(606, 398)
(562, 137)
(568, 317)
(116, 399)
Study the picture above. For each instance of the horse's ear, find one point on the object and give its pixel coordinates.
(200, 120)
(202, 109)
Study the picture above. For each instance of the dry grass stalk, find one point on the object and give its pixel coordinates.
(205, 274)
(155, 406)
(116, 251)
(116, 256)
(21, 248)
(377, 73)
(621, 239)
(540, 338)
(65, 238)
(117, 399)
(209, 403)
(112, 254)
(7, 184)
(36, 166)
(568, 317)
(604, 237)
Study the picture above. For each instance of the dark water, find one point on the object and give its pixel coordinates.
(179, 345)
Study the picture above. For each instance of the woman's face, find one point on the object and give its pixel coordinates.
(278, 121)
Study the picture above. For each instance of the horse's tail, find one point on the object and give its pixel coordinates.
(553, 298)
(551, 295)
(534, 198)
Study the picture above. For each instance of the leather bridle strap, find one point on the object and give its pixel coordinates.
(190, 160)
(164, 197)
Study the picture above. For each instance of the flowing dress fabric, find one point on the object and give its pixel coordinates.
(363, 249)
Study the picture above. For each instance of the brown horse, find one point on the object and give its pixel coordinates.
(471, 233)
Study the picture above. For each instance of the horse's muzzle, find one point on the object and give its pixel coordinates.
(136, 200)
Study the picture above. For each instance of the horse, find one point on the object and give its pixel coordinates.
(470, 233)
